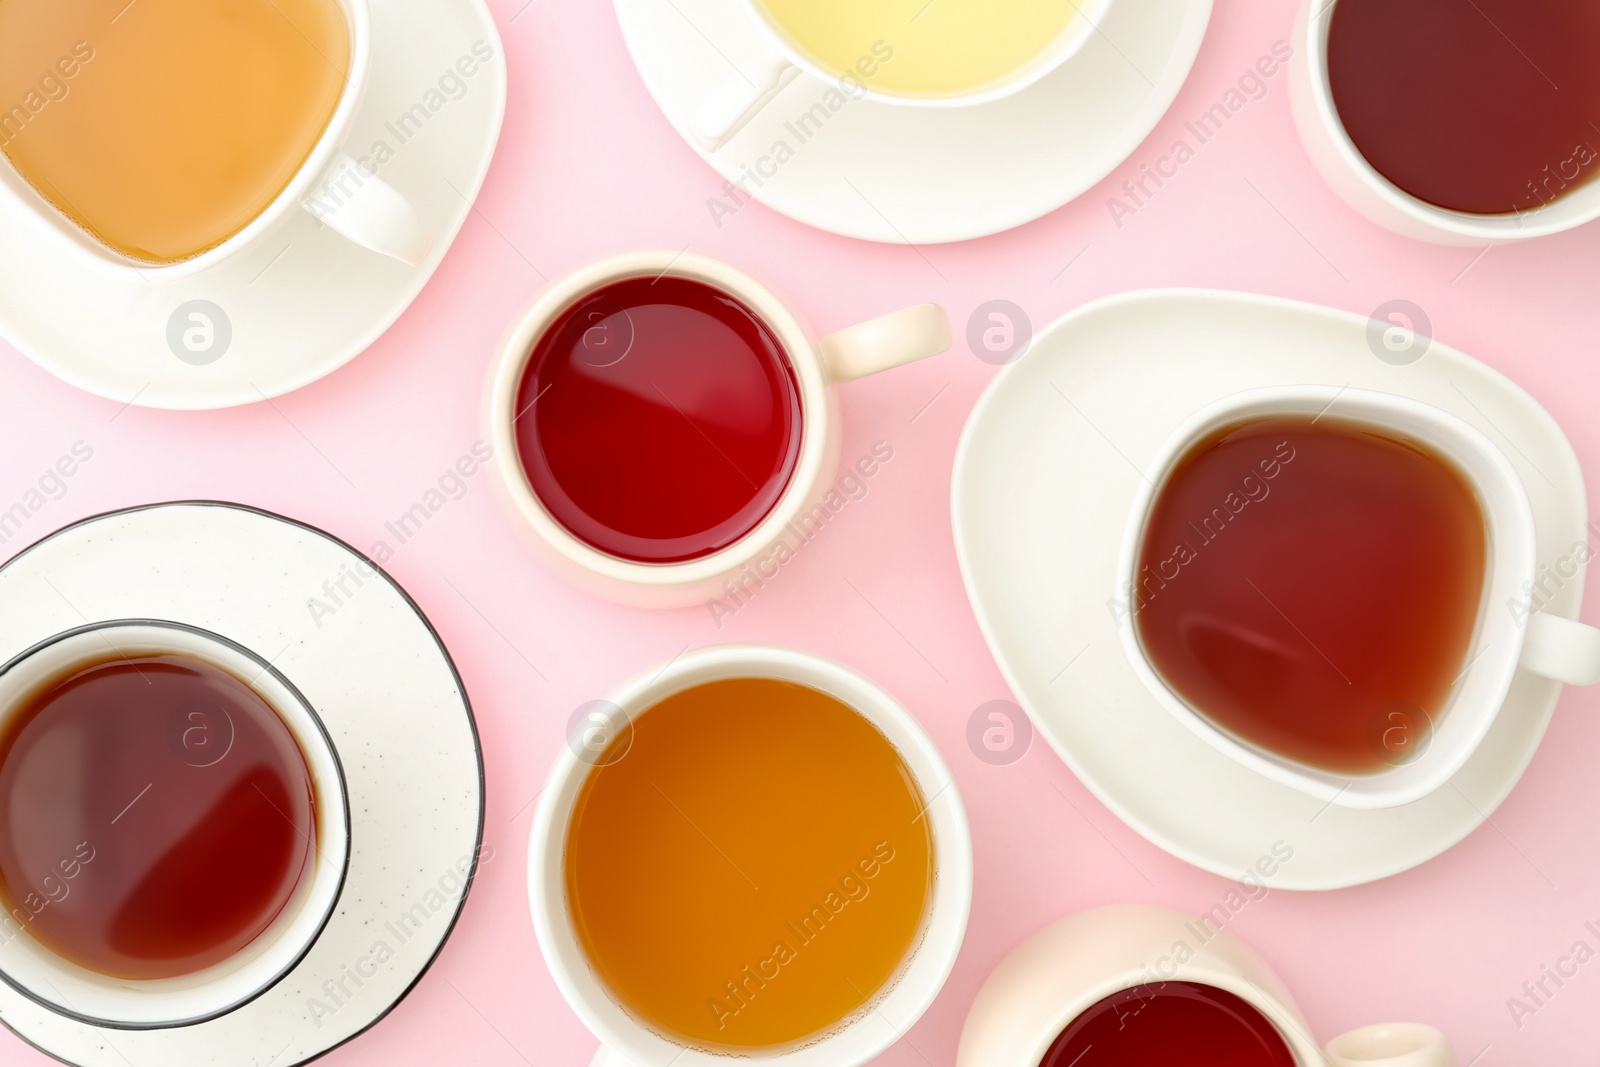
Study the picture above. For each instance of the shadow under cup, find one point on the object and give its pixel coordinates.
(173, 824)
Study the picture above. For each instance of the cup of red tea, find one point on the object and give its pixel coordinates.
(1444, 121)
(1327, 585)
(1140, 986)
(173, 824)
(660, 419)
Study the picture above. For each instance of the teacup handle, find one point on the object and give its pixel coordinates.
(1562, 649)
(741, 95)
(368, 210)
(899, 337)
(1392, 1045)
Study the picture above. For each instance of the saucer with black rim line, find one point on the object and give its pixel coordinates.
(391, 703)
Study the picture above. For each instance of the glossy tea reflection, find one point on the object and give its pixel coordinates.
(658, 419)
(1302, 580)
(749, 866)
(156, 816)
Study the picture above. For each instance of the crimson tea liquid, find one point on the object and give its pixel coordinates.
(658, 419)
(1167, 1024)
(1301, 578)
(1483, 106)
(156, 816)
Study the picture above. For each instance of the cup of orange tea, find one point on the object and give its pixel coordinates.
(160, 139)
(953, 53)
(750, 852)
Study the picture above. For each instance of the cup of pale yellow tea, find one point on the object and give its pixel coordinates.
(949, 53)
(750, 852)
(162, 137)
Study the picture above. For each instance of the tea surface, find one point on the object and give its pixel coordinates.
(1486, 106)
(164, 127)
(1170, 1023)
(752, 869)
(914, 48)
(658, 420)
(156, 816)
(1302, 580)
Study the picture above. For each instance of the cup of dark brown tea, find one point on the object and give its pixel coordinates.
(1328, 586)
(1456, 123)
(1138, 986)
(174, 828)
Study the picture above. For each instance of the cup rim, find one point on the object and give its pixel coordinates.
(335, 792)
(1068, 43)
(1578, 207)
(1280, 1017)
(88, 249)
(928, 963)
(1496, 647)
(813, 394)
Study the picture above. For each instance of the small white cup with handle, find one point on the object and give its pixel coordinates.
(330, 184)
(1361, 185)
(1505, 641)
(75, 992)
(756, 84)
(879, 344)
(628, 1042)
(1068, 967)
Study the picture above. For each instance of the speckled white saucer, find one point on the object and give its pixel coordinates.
(392, 704)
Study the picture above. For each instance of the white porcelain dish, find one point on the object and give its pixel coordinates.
(1052, 460)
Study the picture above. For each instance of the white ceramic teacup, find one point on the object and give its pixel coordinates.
(1344, 167)
(628, 1042)
(150, 1004)
(1068, 967)
(754, 85)
(1504, 642)
(897, 338)
(331, 185)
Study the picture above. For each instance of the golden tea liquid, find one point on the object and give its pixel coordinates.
(164, 127)
(918, 48)
(753, 869)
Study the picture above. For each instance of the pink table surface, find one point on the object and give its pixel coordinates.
(588, 166)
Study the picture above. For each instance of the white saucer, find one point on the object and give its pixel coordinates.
(913, 175)
(302, 301)
(391, 702)
(1047, 471)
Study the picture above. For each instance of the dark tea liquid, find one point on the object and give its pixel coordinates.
(1300, 579)
(1483, 106)
(659, 420)
(1170, 1024)
(156, 816)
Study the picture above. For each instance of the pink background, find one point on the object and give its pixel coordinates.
(587, 166)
